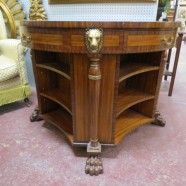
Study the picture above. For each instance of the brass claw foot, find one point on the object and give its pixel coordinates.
(35, 115)
(94, 166)
(158, 120)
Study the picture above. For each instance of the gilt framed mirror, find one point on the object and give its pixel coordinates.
(12, 13)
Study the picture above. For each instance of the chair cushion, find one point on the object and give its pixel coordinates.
(8, 68)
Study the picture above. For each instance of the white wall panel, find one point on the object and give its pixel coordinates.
(98, 12)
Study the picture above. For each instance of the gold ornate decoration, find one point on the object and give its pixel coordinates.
(94, 40)
(12, 11)
(167, 42)
(26, 39)
(37, 11)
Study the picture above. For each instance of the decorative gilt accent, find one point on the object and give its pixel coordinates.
(37, 11)
(26, 39)
(94, 40)
(167, 42)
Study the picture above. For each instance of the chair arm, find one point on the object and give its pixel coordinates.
(10, 48)
(13, 49)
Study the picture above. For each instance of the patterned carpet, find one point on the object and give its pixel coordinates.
(38, 154)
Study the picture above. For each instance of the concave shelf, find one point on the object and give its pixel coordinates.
(128, 121)
(60, 68)
(130, 97)
(62, 120)
(128, 69)
(60, 97)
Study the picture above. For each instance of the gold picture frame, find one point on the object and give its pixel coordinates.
(95, 1)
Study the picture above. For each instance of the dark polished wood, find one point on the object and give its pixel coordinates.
(98, 98)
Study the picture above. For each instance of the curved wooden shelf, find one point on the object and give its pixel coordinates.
(128, 69)
(130, 97)
(60, 97)
(128, 121)
(60, 68)
(63, 121)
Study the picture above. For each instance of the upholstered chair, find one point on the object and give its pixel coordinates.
(14, 84)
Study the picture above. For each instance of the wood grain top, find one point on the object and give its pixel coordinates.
(84, 24)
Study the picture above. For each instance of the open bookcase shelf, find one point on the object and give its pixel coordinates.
(136, 93)
(60, 97)
(138, 76)
(127, 122)
(135, 99)
(130, 97)
(60, 68)
(61, 119)
(128, 69)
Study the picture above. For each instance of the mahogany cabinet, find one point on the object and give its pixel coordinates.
(98, 81)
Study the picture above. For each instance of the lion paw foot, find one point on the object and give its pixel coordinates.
(94, 166)
(158, 119)
(35, 115)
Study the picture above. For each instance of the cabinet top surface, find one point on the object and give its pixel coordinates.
(79, 24)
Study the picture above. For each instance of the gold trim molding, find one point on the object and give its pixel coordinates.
(10, 18)
(14, 13)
